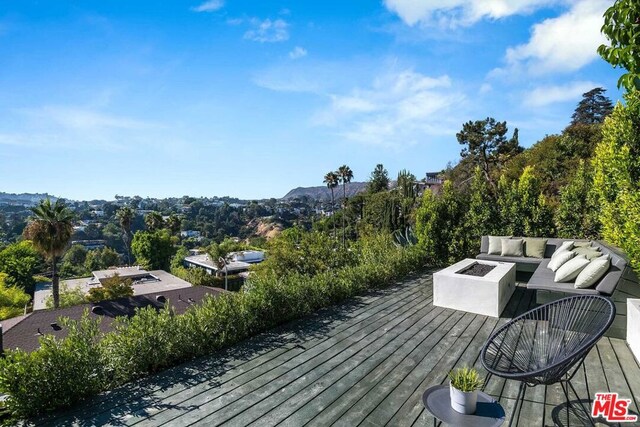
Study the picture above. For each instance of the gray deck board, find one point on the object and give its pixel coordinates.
(363, 363)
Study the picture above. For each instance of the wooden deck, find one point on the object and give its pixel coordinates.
(364, 363)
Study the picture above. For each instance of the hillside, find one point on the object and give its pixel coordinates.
(23, 198)
(322, 193)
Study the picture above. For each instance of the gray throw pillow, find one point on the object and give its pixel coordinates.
(512, 247)
(581, 244)
(593, 272)
(588, 251)
(534, 247)
(570, 269)
(495, 244)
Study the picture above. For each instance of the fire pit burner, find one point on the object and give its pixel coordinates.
(477, 269)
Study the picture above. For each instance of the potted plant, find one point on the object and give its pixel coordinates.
(463, 389)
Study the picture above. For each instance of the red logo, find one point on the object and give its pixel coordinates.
(612, 408)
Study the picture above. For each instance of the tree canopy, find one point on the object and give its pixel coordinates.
(622, 29)
(486, 144)
(379, 180)
(593, 108)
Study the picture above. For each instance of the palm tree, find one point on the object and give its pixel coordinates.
(174, 223)
(50, 229)
(154, 221)
(125, 216)
(331, 179)
(345, 175)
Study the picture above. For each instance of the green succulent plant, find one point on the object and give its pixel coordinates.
(465, 379)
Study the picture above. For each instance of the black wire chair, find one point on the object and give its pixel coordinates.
(547, 345)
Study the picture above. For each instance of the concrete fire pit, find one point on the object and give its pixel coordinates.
(486, 295)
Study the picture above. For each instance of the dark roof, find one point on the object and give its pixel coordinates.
(24, 334)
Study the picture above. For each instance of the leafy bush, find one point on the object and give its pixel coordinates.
(111, 288)
(60, 373)
(68, 297)
(64, 371)
(616, 179)
(12, 299)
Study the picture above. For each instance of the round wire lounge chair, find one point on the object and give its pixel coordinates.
(548, 344)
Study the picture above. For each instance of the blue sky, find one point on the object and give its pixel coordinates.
(251, 99)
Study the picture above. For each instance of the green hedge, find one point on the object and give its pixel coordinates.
(64, 372)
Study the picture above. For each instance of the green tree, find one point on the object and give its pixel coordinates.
(111, 288)
(486, 144)
(68, 297)
(153, 250)
(481, 216)
(50, 229)
(73, 262)
(441, 228)
(508, 211)
(616, 181)
(345, 175)
(174, 224)
(534, 212)
(406, 184)
(577, 213)
(154, 221)
(593, 108)
(12, 299)
(621, 23)
(331, 181)
(379, 180)
(21, 261)
(125, 217)
(101, 259)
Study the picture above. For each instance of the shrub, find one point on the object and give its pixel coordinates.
(58, 374)
(111, 288)
(616, 179)
(68, 297)
(65, 371)
(12, 299)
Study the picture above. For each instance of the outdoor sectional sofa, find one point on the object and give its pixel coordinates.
(542, 278)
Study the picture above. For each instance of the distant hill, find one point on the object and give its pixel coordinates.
(24, 198)
(322, 193)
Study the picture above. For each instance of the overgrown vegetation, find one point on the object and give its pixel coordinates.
(63, 372)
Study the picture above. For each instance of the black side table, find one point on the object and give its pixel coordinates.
(489, 413)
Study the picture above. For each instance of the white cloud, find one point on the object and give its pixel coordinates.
(81, 119)
(565, 43)
(209, 6)
(485, 88)
(399, 109)
(461, 12)
(267, 30)
(546, 95)
(298, 52)
(78, 127)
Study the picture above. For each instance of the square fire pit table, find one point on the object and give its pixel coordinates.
(486, 294)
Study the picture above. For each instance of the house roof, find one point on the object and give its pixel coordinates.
(24, 332)
(152, 282)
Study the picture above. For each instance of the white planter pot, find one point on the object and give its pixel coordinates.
(463, 402)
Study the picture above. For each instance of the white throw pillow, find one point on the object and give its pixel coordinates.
(570, 269)
(559, 259)
(565, 246)
(495, 244)
(593, 272)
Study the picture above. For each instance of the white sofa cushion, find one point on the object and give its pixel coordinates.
(570, 269)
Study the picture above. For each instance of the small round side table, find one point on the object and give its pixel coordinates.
(489, 413)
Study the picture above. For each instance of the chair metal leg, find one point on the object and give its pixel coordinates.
(518, 406)
(585, 410)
